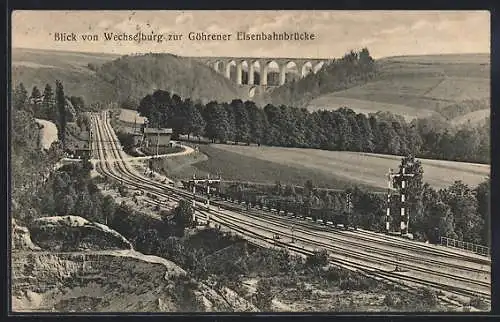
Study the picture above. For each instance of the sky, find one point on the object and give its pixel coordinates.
(384, 33)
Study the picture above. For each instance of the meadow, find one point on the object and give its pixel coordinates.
(416, 86)
(131, 116)
(329, 169)
(473, 117)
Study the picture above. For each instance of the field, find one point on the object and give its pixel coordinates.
(368, 106)
(325, 168)
(58, 59)
(40, 67)
(131, 116)
(473, 117)
(415, 86)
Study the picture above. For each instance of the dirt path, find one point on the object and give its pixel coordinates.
(49, 133)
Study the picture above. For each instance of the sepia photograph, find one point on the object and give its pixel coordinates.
(250, 161)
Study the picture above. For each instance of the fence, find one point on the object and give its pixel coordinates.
(478, 249)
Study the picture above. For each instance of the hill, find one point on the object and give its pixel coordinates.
(415, 86)
(137, 76)
(39, 67)
(108, 78)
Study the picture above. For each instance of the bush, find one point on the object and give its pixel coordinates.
(317, 259)
(123, 191)
(428, 296)
(389, 300)
(355, 282)
(478, 303)
(264, 296)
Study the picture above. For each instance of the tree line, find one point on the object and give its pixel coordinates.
(353, 69)
(51, 106)
(336, 130)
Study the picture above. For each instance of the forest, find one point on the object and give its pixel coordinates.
(335, 130)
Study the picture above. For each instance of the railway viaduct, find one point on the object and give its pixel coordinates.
(263, 65)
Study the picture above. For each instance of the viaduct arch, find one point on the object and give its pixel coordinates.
(235, 68)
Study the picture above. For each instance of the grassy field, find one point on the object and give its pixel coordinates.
(131, 116)
(415, 86)
(473, 117)
(326, 168)
(40, 67)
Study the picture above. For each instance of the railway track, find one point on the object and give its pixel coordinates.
(119, 170)
(367, 236)
(339, 237)
(345, 255)
(366, 270)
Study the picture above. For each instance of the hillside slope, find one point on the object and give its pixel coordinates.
(139, 75)
(472, 117)
(109, 78)
(416, 86)
(39, 67)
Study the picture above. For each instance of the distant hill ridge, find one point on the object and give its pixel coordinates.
(413, 86)
(418, 86)
(107, 78)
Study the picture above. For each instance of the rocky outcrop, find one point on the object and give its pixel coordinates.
(225, 300)
(92, 281)
(21, 239)
(73, 275)
(73, 233)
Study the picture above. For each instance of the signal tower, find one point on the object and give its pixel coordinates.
(405, 216)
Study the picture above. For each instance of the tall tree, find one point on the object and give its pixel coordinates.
(48, 103)
(483, 194)
(273, 116)
(241, 120)
(196, 123)
(20, 97)
(61, 110)
(463, 205)
(217, 122)
(183, 215)
(36, 100)
(367, 137)
(414, 186)
(257, 121)
(230, 130)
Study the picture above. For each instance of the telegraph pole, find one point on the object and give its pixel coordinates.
(208, 190)
(208, 182)
(158, 141)
(348, 205)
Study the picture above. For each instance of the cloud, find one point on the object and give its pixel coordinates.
(104, 24)
(183, 18)
(368, 41)
(394, 30)
(215, 28)
(421, 25)
(126, 26)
